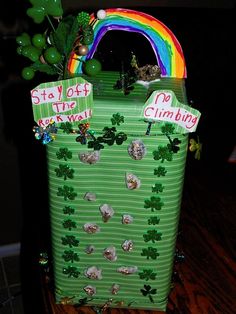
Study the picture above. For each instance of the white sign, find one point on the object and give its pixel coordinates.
(164, 106)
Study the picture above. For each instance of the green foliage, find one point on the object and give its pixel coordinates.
(158, 187)
(154, 203)
(150, 252)
(148, 291)
(64, 171)
(160, 171)
(67, 192)
(147, 274)
(64, 153)
(71, 271)
(163, 153)
(152, 235)
(70, 256)
(153, 220)
(69, 224)
(68, 210)
(44, 68)
(70, 240)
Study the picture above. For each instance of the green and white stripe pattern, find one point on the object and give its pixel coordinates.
(106, 179)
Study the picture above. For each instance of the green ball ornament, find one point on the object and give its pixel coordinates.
(92, 67)
(52, 55)
(23, 39)
(27, 73)
(39, 41)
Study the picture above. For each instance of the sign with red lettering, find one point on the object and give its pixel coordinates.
(163, 105)
(62, 101)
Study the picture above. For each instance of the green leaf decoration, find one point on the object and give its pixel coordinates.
(117, 119)
(69, 224)
(42, 8)
(157, 188)
(163, 153)
(120, 138)
(67, 210)
(152, 235)
(148, 291)
(67, 127)
(60, 36)
(71, 37)
(147, 274)
(109, 137)
(71, 271)
(150, 252)
(153, 220)
(96, 144)
(167, 129)
(64, 153)
(64, 171)
(173, 146)
(70, 240)
(44, 68)
(67, 192)
(160, 171)
(70, 256)
(154, 203)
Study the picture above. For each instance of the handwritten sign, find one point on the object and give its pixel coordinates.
(62, 101)
(163, 105)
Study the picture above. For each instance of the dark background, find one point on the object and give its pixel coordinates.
(205, 30)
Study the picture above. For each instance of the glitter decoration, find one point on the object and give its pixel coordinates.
(43, 258)
(132, 181)
(90, 290)
(91, 228)
(127, 219)
(115, 288)
(88, 196)
(110, 253)
(106, 211)
(90, 157)
(93, 273)
(84, 133)
(127, 245)
(89, 249)
(46, 134)
(137, 149)
(127, 270)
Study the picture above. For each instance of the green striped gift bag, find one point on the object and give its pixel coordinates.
(115, 210)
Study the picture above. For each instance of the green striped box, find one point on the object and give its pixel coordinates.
(118, 264)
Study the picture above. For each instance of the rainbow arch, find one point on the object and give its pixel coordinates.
(166, 47)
